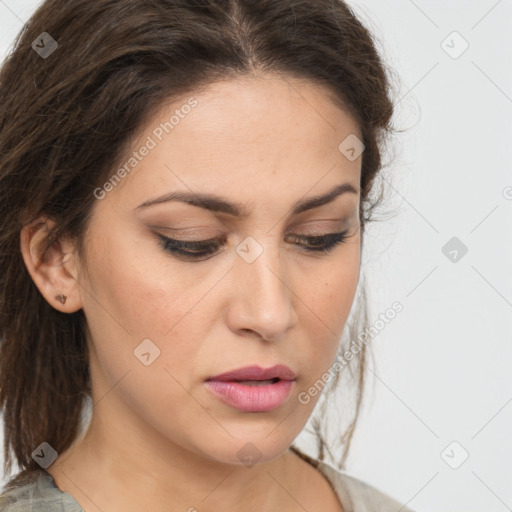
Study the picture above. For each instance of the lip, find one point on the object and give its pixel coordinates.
(256, 372)
(262, 398)
(255, 398)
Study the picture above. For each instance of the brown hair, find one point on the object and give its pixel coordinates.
(67, 118)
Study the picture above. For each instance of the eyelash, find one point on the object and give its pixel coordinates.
(189, 249)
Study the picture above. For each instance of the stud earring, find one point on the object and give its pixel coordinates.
(61, 298)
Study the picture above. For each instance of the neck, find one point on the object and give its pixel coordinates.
(146, 472)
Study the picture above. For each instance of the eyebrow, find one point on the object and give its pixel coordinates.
(216, 203)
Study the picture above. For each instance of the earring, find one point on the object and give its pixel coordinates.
(61, 298)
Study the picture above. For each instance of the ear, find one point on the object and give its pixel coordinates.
(54, 271)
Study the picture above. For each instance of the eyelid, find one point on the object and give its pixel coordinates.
(315, 229)
(223, 238)
(187, 231)
(196, 251)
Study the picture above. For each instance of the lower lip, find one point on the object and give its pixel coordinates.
(251, 398)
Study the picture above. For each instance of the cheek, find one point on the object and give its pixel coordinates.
(138, 294)
(326, 302)
(139, 289)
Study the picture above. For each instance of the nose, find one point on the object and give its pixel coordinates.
(264, 299)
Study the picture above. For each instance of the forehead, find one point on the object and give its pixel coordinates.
(244, 135)
(257, 108)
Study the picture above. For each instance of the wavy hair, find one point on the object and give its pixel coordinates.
(66, 120)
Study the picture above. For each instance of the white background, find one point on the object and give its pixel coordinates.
(442, 366)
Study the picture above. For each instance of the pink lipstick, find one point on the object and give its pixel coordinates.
(253, 389)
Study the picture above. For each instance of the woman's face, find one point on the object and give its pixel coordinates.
(161, 323)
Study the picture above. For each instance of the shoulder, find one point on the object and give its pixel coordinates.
(38, 495)
(357, 495)
(19, 498)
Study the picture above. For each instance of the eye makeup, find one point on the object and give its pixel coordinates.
(203, 249)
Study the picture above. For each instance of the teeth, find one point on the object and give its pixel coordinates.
(257, 382)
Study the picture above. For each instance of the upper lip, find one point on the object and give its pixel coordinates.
(256, 372)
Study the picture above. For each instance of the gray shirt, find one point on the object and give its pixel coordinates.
(43, 495)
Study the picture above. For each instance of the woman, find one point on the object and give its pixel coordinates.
(185, 187)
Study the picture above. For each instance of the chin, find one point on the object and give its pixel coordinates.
(249, 450)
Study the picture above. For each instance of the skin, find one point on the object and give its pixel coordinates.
(158, 439)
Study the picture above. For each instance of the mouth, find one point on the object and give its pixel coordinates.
(255, 374)
(253, 389)
(257, 382)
